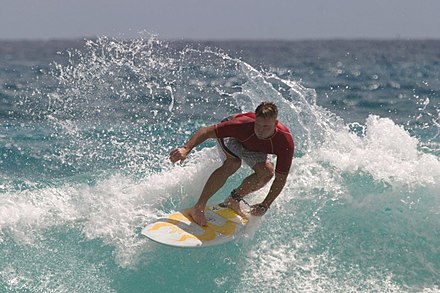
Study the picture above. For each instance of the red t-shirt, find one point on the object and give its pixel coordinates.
(280, 143)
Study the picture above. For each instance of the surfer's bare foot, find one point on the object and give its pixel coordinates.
(197, 214)
(235, 206)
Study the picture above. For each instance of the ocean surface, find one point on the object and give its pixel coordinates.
(86, 127)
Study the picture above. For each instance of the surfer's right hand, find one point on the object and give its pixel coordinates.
(178, 154)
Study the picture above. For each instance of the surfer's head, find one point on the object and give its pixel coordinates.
(265, 120)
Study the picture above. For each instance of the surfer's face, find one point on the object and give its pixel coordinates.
(264, 127)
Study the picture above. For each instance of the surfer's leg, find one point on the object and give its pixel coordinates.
(214, 183)
(218, 179)
(263, 172)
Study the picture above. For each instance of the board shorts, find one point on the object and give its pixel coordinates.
(232, 147)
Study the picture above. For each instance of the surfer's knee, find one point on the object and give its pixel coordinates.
(231, 165)
(264, 171)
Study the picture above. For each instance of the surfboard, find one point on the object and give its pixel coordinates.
(179, 230)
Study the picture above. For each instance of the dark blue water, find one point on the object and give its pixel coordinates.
(86, 128)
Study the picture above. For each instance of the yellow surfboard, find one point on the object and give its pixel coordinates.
(179, 230)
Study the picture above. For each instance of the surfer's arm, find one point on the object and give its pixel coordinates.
(275, 190)
(199, 137)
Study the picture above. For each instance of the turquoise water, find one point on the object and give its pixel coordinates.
(85, 132)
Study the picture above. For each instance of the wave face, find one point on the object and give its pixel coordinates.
(84, 140)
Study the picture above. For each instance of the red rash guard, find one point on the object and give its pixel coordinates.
(281, 144)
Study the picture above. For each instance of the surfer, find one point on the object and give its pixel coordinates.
(247, 137)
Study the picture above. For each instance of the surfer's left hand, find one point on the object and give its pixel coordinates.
(259, 209)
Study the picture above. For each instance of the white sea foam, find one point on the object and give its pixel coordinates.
(113, 211)
(386, 152)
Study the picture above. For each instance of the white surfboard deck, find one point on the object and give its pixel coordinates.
(179, 230)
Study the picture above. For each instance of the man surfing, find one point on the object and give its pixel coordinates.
(247, 137)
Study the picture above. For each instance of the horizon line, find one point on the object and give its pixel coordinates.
(85, 38)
